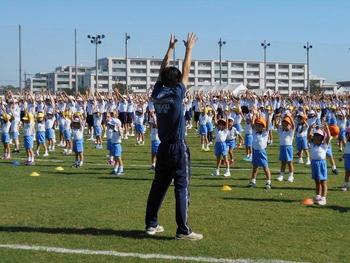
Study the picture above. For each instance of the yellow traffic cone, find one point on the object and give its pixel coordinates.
(34, 174)
(59, 168)
(225, 187)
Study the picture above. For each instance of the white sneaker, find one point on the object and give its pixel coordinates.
(317, 198)
(323, 201)
(291, 179)
(308, 162)
(193, 236)
(46, 154)
(301, 161)
(207, 149)
(280, 178)
(154, 230)
(345, 187)
(216, 172)
(37, 154)
(227, 174)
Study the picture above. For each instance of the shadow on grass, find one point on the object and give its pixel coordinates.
(135, 234)
(340, 209)
(261, 199)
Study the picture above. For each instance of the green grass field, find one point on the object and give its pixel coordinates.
(87, 208)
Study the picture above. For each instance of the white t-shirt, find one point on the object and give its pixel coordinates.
(154, 134)
(260, 140)
(40, 126)
(28, 129)
(318, 152)
(139, 119)
(232, 134)
(6, 127)
(286, 137)
(221, 135)
(77, 134)
(203, 119)
(301, 130)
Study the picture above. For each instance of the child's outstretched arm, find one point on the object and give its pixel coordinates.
(328, 133)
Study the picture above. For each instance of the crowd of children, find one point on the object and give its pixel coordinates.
(306, 123)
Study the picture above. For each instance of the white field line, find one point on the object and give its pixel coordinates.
(133, 255)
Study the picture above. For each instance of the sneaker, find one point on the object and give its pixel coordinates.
(251, 185)
(227, 174)
(335, 171)
(267, 186)
(154, 230)
(308, 162)
(120, 172)
(153, 167)
(37, 154)
(344, 188)
(323, 201)
(301, 161)
(280, 178)
(247, 159)
(206, 149)
(317, 198)
(216, 172)
(46, 154)
(193, 236)
(291, 179)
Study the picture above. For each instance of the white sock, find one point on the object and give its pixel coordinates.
(334, 167)
(268, 181)
(291, 174)
(254, 181)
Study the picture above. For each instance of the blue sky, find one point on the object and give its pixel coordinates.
(48, 31)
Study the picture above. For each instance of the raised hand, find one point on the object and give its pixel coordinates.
(172, 41)
(191, 40)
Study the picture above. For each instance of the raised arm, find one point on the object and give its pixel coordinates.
(168, 55)
(189, 44)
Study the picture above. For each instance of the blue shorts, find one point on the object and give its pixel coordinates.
(319, 170)
(342, 135)
(248, 140)
(50, 134)
(97, 131)
(78, 146)
(15, 135)
(28, 142)
(210, 127)
(238, 127)
(301, 143)
(40, 137)
(220, 149)
(329, 152)
(139, 128)
(286, 153)
(231, 144)
(259, 158)
(346, 162)
(5, 137)
(116, 150)
(67, 135)
(154, 147)
(61, 128)
(203, 130)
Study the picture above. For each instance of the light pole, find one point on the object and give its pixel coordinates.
(20, 57)
(307, 47)
(265, 45)
(221, 43)
(127, 37)
(96, 40)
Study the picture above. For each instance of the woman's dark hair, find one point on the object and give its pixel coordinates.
(170, 77)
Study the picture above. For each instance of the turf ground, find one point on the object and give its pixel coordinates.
(87, 208)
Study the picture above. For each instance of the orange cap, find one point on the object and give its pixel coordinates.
(260, 121)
